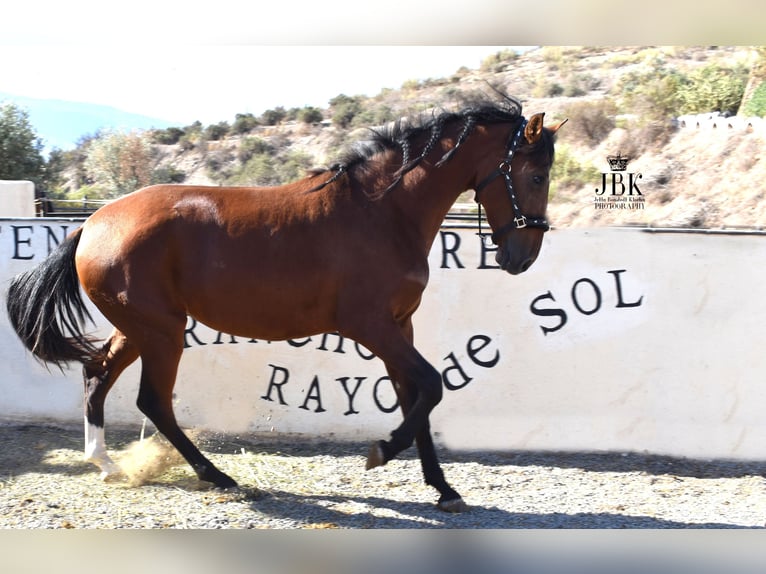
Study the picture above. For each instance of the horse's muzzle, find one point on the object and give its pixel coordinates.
(509, 265)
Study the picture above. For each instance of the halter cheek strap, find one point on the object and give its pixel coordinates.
(520, 221)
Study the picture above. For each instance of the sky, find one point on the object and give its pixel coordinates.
(181, 62)
(212, 83)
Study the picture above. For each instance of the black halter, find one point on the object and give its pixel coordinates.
(520, 221)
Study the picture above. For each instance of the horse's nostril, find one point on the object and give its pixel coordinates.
(526, 265)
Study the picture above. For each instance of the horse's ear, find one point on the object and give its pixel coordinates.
(534, 128)
(556, 127)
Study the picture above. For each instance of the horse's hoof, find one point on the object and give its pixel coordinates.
(375, 456)
(226, 483)
(112, 476)
(454, 505)
(219, 479)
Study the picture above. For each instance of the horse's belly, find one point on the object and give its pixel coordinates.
(276, 313)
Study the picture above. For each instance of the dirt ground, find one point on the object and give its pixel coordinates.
(45, 484)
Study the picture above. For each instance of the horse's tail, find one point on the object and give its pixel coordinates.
(47, 311)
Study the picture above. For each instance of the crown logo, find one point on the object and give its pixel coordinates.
(617, 162)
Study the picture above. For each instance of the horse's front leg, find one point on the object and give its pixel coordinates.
(425, 395)
(418, 386)
(449, 499)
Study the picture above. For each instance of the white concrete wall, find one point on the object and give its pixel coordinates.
(17, 198)
(615, 340)
(715, 120)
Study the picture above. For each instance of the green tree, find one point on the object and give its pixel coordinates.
(119, 163)
(20, 148)
(53, 180)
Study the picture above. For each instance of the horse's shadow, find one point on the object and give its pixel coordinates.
(411, 515)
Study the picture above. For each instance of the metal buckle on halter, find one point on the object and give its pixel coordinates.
(521, 222)
(504, 168)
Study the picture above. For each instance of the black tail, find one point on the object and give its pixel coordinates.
(47, 311)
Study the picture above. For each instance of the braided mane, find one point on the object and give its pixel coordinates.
(401, 135)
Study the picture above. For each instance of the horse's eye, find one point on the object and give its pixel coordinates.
(538, 179)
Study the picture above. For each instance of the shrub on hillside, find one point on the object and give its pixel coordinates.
(310, 115)
(219, 164)
(344, 109)
(167, 136)
(570, 173)
(273, 116)
(580, 84)
(651, 95)
(498, 61)
(251, 146)
(258, 170)
(243, 123)
(215, 132)
(169, 174)
(642, 136)
(293, 166)
(267, 169)
(545, 88)
(193, 130)
(187, 142)
(713, 88)
(374, 115)
(590, 122)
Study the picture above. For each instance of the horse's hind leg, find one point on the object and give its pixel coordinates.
(160, 356)
(99, 378)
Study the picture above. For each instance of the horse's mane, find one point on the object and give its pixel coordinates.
(400, 135)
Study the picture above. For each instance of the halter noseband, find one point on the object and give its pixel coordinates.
(520, 221)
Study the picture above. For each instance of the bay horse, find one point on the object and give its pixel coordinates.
(342, 250)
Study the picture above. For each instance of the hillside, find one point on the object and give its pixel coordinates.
(708, 176)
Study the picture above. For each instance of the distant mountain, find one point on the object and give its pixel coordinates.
(59, 124)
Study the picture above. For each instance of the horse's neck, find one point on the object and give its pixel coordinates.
(429, 194)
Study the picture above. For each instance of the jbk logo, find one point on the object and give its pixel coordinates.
(615, 184)
(618, 191)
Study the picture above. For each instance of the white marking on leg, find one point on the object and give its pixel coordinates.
(95, 450)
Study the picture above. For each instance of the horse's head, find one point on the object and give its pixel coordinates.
(515, 193)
